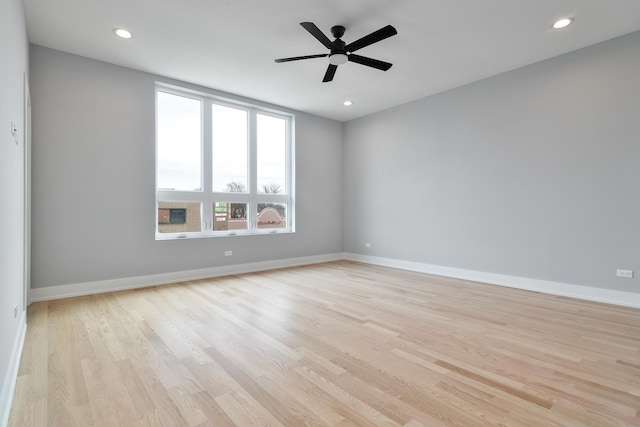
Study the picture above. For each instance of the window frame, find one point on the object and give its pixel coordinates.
(206, 196)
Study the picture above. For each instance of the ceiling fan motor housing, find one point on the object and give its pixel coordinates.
(339, 46)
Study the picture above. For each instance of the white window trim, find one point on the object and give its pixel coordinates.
(207, 197)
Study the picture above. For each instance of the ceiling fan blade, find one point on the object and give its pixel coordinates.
(372, 38)
(315, 32)
(297, 58)
(370, 62)
(331, 71)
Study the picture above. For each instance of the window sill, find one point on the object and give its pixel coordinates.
(188, 236)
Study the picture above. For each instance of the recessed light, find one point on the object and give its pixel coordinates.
(121, 32)
(562, 23)
(347, 103)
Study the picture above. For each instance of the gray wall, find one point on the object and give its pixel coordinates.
(13, 45)
(93, 181)
(532, 173)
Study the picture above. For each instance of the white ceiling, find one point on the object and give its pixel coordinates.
(230, 45)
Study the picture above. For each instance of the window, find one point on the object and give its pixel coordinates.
(222, 168)
(172, 215)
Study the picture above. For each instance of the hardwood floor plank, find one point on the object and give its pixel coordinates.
(214, 414)
(245, 411)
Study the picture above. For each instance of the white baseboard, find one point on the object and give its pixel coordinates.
(608, 296)
(627, 299)
(9, 385)
(89, 288)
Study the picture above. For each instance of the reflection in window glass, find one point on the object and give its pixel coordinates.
(272, 215)
(179, 217)
(272, 157)
(179, 147)
(229, 216)
(229, 132)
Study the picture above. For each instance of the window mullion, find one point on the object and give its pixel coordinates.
(179, 196)
(272, 198)
(253, 170)
(207, 172)
(290, 180)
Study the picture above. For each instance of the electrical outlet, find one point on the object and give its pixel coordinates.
(228, 253)
(624, 273)
(367, 245)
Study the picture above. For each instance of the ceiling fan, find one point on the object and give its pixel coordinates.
(340, 52)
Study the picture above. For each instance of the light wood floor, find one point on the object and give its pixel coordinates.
(337, 344)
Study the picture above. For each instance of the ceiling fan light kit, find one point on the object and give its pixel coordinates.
(338, 58)
(340, 52)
